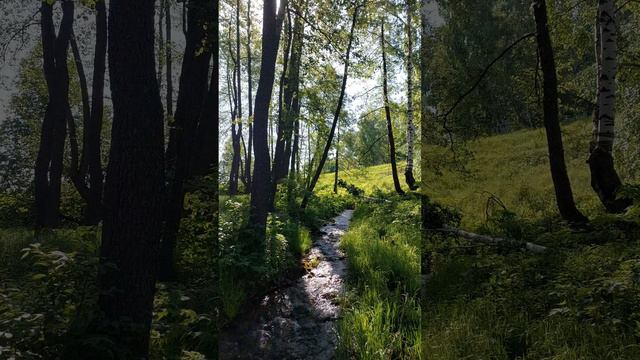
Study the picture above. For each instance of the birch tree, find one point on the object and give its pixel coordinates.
(604, 178)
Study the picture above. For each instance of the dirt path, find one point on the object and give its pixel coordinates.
(298, 321)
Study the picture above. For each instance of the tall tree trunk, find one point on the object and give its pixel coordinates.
(168, 53)
(336, 115)
(235, 136)
(161, 43)
(192, 92)
(261, 188)
(387, 113)
(561, 184)
(94, 153)
(49, 161)
(289, 113)
(240, 139)
(206, 149)
(411, 131)
(247, 163)
(205, 154)
(335, 174)
(604, 178)
(91, 162)
(135, 180)
(278, 158)
(295, 158)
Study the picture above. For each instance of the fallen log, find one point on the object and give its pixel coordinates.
(486, 239)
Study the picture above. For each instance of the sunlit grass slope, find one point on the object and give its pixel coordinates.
(367, 178)
(515, 168)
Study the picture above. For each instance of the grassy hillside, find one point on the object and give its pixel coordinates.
(369, 178)
(577, 301)
(514, 167)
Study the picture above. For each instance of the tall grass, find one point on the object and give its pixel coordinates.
(381, 318)
(515, 168)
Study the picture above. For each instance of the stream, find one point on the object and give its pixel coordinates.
(297, 321)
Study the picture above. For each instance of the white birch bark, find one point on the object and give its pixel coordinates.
(607, 78)
(410, 126)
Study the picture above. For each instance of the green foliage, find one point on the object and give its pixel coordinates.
(382, 314)
(47, 295)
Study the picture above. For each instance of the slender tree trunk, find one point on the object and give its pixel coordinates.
(387, 112)
(91, 162)
(77, 169)
(289, 113)
(295, 158)
(235, 136)
(261, 187)
(335, 175)
(168, 49)
(278, 157)
(49, 161)
(239, 134)
(411, 131)
(161, 43)
(93, 212)
(562, 186)
(193, 89)
(336, 115)
(135, 180)
(604, 178)
(247, 164)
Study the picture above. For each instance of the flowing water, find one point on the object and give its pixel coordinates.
(298, 321)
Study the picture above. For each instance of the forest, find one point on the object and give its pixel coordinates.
(530, 171)
(127, 233)
(343, 179)
(319, 210)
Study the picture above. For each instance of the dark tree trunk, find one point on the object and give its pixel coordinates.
(336, 115)
(247, 163)
(387, 113)
(192, 92)
(261, 187)
(335, 175)
(205, 157)
(235, 136)
(561, 184)
(49, 161)
(91, 162)
(135, 180)
(290, 107)
(279, 166)
(93, 155)
(240, 136)
(169, 57)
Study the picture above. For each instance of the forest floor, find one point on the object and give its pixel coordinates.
(578, 300)
(298, 320)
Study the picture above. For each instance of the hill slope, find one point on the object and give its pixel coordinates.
(514, 167)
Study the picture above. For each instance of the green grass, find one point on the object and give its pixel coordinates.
(381, 318)
(579, 300)
(514, 167)
(369, 179)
